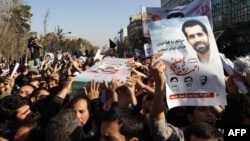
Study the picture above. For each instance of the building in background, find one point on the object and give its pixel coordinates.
(135, 37)
(123, 42)
(230, 16)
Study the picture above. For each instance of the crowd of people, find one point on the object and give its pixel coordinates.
(36, 104)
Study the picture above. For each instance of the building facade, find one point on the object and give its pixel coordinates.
(233, 17)
(123, 42)
(135, 34)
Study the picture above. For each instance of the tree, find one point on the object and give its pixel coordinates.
(14, 28)
(19, 17)
(45, 42)
(15, 18)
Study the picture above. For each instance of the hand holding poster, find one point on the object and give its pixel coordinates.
(48, 58)
(195, 74)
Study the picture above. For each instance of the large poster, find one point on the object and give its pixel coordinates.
(176, 9)
(195, 73)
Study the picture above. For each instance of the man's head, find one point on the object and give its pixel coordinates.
(64, 126)
(26, 90)
(201, 114)
(123, 124)
(82, 108)
(174, 81)
(35, 82)
(202, 131)
(188, 81)
(33, 40)
(203, 80)
(38, 94)
(82, 60)
(33, 73)
(14, 109)
(197, 35)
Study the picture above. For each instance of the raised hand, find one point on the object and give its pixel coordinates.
(93, 92)
(115, 83)
(137, 73)
(157, 68)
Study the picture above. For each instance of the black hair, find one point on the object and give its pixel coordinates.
(37, 90)
(132, 123)
(172, 78)
(175, 15)
(187, 78)
(177, 116)
(28, 84)
(203, 130)
(9, 105)
(30, 40)
(88, 125)
(191, 23)
(238, 107)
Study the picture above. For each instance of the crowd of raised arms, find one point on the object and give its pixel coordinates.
(36, 105)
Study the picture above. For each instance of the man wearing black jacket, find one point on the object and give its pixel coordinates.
(34, 50)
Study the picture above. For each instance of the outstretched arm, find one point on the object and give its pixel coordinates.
(161, 130)
(157, 70)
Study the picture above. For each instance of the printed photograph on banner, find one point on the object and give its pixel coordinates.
(48, 58)
(176, 9)
(148, 50)
(107, 70)
(195, 73)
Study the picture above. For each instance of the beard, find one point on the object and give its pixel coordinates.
(202, 50)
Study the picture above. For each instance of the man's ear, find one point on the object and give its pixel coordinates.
(134, 139)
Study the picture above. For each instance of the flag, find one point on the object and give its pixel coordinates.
(111, 44)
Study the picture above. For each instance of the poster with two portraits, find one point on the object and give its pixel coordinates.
(192, 79)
